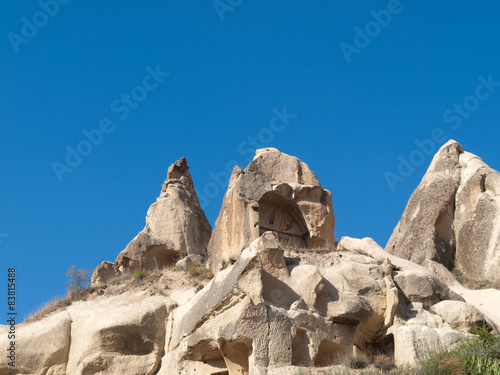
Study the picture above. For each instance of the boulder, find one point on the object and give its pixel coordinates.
(414, 342)
(104, 272)
(421, 286)
(417, 332)
(416, 283)
(459, 315)
(275, 192)
(176, 226)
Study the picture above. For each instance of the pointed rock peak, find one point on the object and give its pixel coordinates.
(278, 166)
(176, 226)
(178, 169)
(178, 172)
(450, 149)
(446, 160)
(450, 217)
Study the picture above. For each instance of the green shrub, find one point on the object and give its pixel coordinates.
(472, 283)
(479, 355)
(140, 273)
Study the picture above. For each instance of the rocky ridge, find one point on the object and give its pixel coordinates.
(285, 297)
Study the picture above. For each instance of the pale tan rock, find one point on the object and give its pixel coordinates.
(425, 230)
(477, 220)
(275, 306)
(104, 272)
(421, 286)
(246, 312)
(176, 226)
(454, 214)
(310, 283)
(276, 192)
(118, 335)
(41, 347)
(417, 283)
(392, 301)
(459, 315)
(364, 294)
(417, 332)
(412, 343)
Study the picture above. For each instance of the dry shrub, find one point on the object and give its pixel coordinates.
(383, 362)
(48, 308)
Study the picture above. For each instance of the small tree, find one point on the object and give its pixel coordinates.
(78, 279)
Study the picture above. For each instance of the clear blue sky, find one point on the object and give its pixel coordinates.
(360, 102)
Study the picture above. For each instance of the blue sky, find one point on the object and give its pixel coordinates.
(355, 87)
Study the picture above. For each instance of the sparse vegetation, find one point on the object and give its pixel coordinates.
(354, 362)
(77, 280)
(48, 308)
(479, 355)
(383, 362)
(78, 288)
(140, 273)
(467, 281)
(474, 284)
(199, 270)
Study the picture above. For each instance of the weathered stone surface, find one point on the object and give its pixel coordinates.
(41, 347)
(282, 301)
(246, 312)
(459, 315)
(176, 226)
(417, 332)
(127, 339)
(261, 315)
(477, 219)
(453, 213)
(414, 342)
(420, 286)
(425, 230)
(275, 192)
(416, 283)
(104, 272)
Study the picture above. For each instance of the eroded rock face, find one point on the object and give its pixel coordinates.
(477, 219)
(453, 213)
(129, 339)
(176, 226)
(459, 315)
(283, 300)
(276, 315)
(425, 230)
(272, 310)
(104, 272)
(276, 192)
(41, 347)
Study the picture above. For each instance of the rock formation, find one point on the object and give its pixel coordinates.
(275, 192)
(453, 217)
(284, 299)
(176, 226)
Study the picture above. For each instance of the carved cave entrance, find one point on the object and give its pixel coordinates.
(284, 217)
(220, 358)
